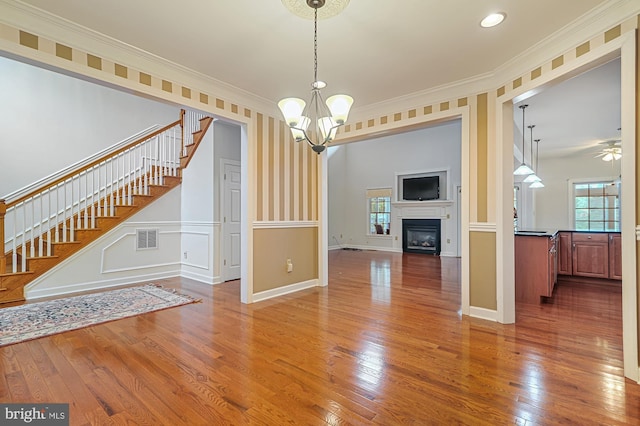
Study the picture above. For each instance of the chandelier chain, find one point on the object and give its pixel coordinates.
(315, 44)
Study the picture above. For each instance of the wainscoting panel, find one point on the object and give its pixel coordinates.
(199, 254)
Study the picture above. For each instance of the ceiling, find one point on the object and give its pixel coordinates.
(375, 50)
(574, 117)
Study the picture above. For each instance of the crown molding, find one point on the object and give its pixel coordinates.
(593, 23)
(29, 18)
(40, 22)
(457, 89)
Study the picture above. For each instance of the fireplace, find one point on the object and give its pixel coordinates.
(421, 236)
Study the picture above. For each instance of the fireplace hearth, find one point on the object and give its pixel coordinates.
(421, 236)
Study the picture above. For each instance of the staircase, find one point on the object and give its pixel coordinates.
(47, 225)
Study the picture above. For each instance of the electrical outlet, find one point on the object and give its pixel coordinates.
(448, 240)
(185, 254)
(396, 238)
(289, 265)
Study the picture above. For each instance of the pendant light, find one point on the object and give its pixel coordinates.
(532, 177)
(318, 122)
(538, 183)
(523, 169)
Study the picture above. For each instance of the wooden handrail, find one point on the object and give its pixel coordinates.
(3, 259)
(93, 163)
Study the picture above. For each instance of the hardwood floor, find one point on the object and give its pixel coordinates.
(384, 343)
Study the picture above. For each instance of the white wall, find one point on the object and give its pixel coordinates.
(50, 121)
(356, 167)
(113, 259)
(201, 228)
(551, 209)
(199, 232)
(226, 138)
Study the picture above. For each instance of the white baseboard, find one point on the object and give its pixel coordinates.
(205, 279)
(482, 313)
(281, 291)
(96, 285)
(375, 248)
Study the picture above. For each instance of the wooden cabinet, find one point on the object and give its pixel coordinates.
(615, 256)
(536, 267)
(590, 254)
(565, 258)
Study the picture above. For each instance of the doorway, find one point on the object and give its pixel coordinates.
(230, 218)
(625, 49)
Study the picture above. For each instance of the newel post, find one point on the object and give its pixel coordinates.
(3, 259)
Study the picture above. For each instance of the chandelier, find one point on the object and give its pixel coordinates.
(317, 122)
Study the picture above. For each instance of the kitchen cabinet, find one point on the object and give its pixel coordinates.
(535, 266)
(565, 257)
(590, 254)
(615, 256)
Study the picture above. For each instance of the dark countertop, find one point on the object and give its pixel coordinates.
(582, 231)
(536, 232)
(552, 232)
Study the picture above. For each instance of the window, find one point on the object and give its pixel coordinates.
(379, 211)
(597, 206)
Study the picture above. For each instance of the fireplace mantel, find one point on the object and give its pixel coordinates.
(427, 203)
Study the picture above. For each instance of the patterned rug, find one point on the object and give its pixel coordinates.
(33, 320)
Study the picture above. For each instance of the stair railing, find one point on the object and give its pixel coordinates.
(55, 212)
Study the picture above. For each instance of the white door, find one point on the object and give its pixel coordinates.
(231, 222)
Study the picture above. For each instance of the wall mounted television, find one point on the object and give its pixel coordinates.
(421, 188)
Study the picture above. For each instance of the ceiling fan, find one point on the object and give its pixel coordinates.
(612, 150)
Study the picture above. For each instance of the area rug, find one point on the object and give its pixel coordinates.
(33, 320)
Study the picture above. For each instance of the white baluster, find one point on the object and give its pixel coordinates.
(14, 253)
(40, 223)
(129, 170)
(99, 170)
(64, 212)
(110, 192)
(55, 220)
(93, 200)
(79, 218)
(72, 234)
(24, 238)
(49, 222)
(32, 248)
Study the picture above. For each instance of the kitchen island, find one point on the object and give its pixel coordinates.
(536, 264)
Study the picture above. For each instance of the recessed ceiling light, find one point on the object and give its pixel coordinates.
(493, 20)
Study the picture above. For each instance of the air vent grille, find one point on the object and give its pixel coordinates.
(146, 239)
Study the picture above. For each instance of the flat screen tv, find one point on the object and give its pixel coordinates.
(421, 188)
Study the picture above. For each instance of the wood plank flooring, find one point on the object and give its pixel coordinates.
(385, 343)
